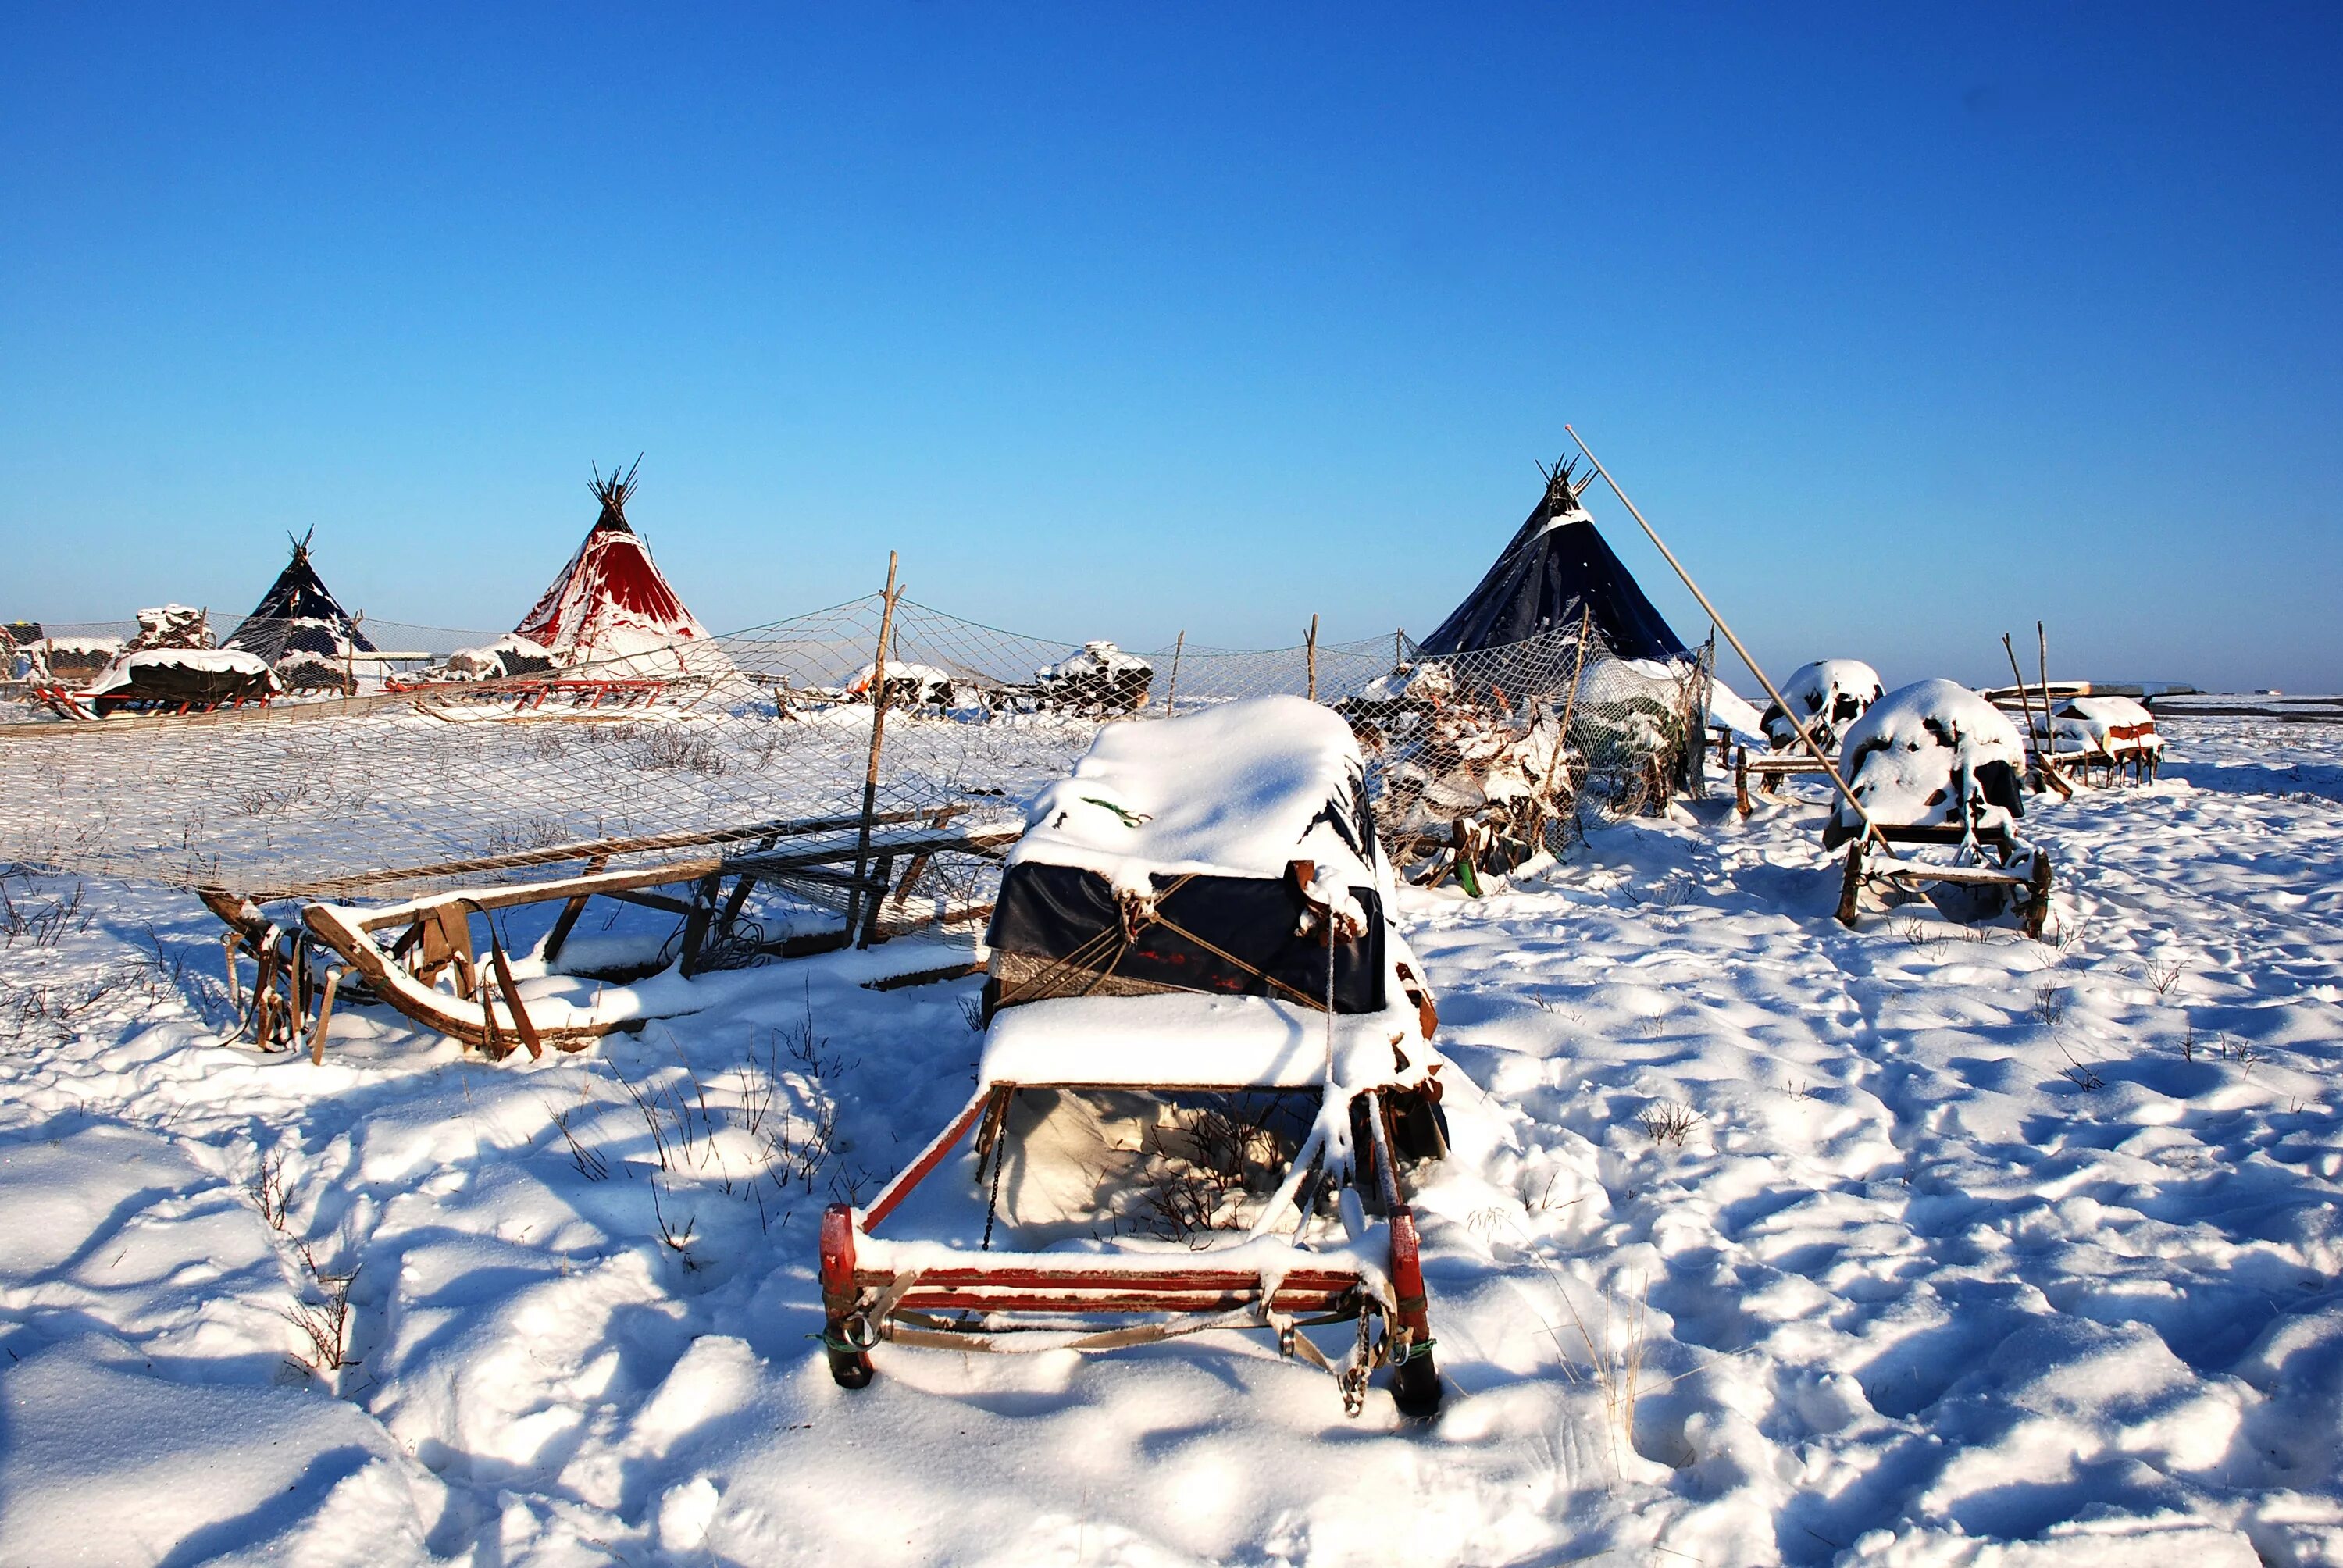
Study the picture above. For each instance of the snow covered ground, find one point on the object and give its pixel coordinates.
(1764, 1242)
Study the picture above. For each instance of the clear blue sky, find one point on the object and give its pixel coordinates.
(1907, 325)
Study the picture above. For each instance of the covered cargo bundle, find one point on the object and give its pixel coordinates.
(181, 680)
(1936, 763)
(1827, 697)
(1931, 754)
(2113, 731)
(1101, 679)
(1235, 828)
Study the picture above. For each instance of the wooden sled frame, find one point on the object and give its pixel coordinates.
(2031, 888)
(2140, 763)
(91, 707)
(980, 1300)
(435, 939)
(1768, 768)
(525, 693)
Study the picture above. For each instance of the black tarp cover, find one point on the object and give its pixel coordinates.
(1048, 912)
(1549, 577)
(298, 614)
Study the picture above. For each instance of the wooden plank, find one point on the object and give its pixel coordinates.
(1916, 871)
(951, 971)
(610, 848)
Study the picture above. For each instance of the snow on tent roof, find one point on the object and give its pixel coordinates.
(1556, 569)
(1238, 790)
(611, 601)
(298, 614)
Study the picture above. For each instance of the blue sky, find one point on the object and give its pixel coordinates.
(1907, 325)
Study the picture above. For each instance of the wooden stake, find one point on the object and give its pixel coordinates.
(1312, 647)
(2042, 645)
(1171, 692)
(1562, 737)
(878, 739)
(1830, 767)
(325, 1016)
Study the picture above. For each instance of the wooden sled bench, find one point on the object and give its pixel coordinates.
(2030, 887)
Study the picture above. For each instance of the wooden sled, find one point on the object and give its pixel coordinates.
(67, 703)
(422, 956)
(2030, 887)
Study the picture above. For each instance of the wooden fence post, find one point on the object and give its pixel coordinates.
(1171, 692)
(878, 739)
(1312, 646)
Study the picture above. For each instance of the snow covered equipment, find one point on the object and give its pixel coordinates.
(1934, 763)
(301, 630)
(1101, 679)
(1828, 695)
(171, 665)
(1197, 919)
(2117, 733)
(1556, 571)
(180, 681)
(2088, 729)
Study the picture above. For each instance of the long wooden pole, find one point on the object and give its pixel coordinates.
(1837, 780)
(1313, 646)
(2042, 645)
(2026, 699)
(2045, 753)
(1171, 692)
(878, 739)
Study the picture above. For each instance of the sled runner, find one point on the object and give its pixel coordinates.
(1198, 913)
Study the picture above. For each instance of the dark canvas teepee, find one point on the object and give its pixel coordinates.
(1557, 569)
(300, 615)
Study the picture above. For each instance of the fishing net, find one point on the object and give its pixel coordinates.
(415, 774)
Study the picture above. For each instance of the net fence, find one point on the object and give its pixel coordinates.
(401, 780)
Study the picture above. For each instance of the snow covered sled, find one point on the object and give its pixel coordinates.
(1827, 697)
(1934, 763)
(169, 680)
(1200, 911)
(2112, 733)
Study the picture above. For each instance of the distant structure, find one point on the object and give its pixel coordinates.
(1557, 569)
(612, 608)
(299, 628)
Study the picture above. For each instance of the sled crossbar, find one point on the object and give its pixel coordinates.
(2029, 887)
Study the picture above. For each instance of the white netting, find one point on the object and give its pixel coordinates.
(405, 784)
